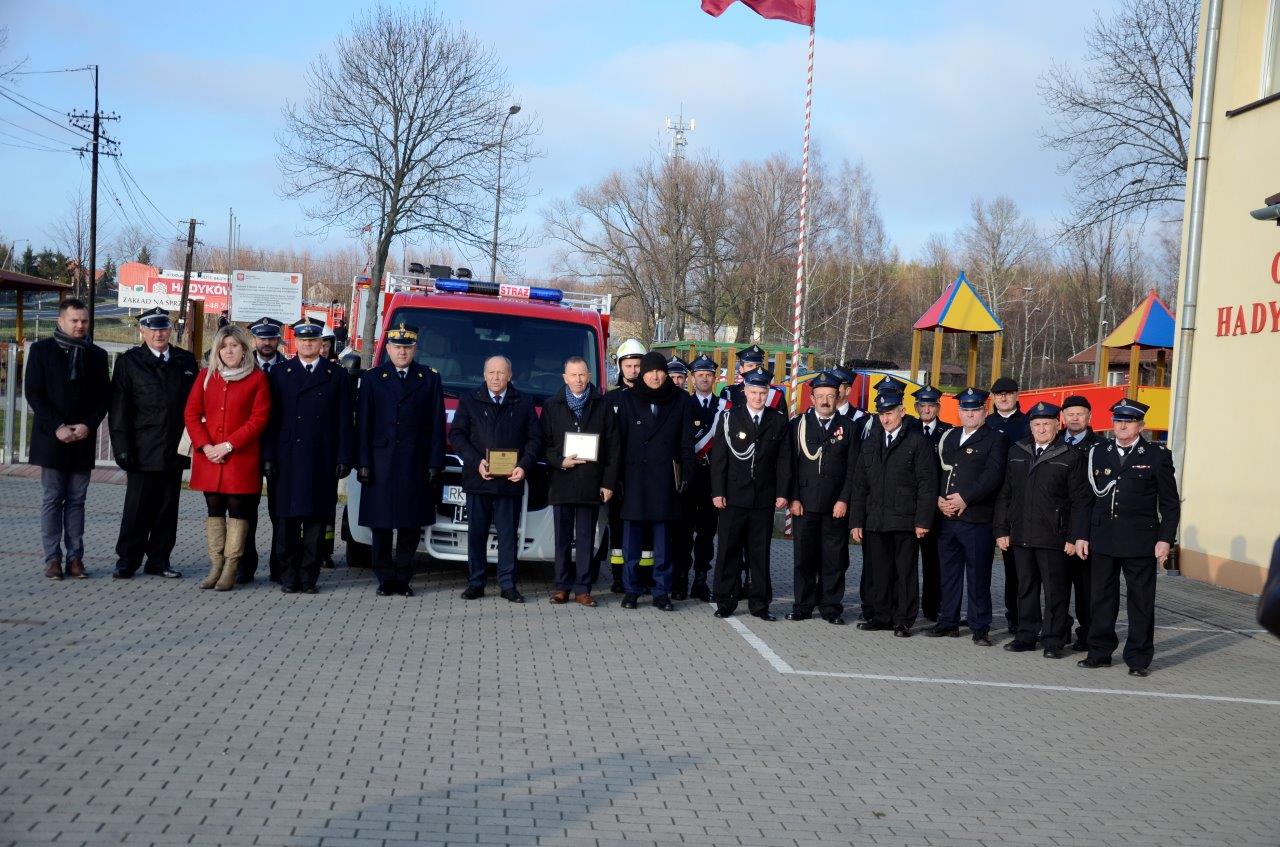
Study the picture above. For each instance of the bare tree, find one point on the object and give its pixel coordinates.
(401, 133)
(133, 243)
(1125, 125)
(70, 235)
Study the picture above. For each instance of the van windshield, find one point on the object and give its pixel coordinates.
(456, 344)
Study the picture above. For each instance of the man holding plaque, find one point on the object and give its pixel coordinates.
(497, 436)
(581, 440)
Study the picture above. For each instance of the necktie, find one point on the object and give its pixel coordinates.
(1122, 451)
(928, 429)
(826, 424)
(888, 440)
(310, 367)
(706, 404)
(402, 375)
(755, 419)
(266, 367)
(497, 399)
(1039, 452)
(653, 409)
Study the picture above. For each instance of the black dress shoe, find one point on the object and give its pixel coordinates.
(700, 592)
(119, 574)
(472, 592)
(721, 613)
(629, 601)
(384, 591)
(1053, 653)
(872, 626)
(835, 620)
(765, 616)
(1139, 672)
(799, 616)
(678, 596)
(902, 632)
(982, 638)
(404, 591)
(288, 589)
(511, 595)
(663, 603)
(617, 588)
(1092, 664)
(1080, 646)
(1019, 646)
(167, 573)
(310, 589)
(943, 631)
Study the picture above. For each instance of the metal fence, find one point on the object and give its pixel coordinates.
(18, 417)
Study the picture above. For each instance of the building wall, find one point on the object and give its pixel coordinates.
(1231, 478)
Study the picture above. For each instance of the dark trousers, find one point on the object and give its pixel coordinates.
(965, 553)
(300, 561)
(693, 544)
(275, 549)
(575, 546)
(1011, 592)
(743, 531)
(634, 536)
(616, 559)
(1041, 567)
(62, 512)
(149, 524)
(503, 513)
(392, 564)
(1081, 585)
(930, 575)
(864, 586)
(821, 554)
(1140, 584)
(895, 586)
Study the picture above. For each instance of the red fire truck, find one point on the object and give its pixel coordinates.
(462, 322)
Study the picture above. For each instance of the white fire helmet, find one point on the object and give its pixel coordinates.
(630, 349)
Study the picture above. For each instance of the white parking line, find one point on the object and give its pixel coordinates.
(782, 666)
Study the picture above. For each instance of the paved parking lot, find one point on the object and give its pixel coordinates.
(149, 712)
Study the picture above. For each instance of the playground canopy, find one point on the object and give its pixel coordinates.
(959, 309)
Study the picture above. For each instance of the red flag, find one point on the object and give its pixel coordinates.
(796, 11)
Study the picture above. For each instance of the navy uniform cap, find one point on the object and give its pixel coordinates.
(891, 385)
(402, 335)
(266, 328)
(1129, 410)
(758, 378)
(825, 379)
(972, 398)
(677, 366)
(887, 400)
(752, 354)
(308, 328)
(844, 376)
(156, 318)
(703, 363)
(1043, 410)
(928, 394)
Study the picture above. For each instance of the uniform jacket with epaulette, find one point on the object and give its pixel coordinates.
(975, 470)
(895, 487)
(1135, 499)
(1044, 501)
(756, 481)
(306, 439)
(821, 482)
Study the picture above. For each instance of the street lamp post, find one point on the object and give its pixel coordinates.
(497, 205)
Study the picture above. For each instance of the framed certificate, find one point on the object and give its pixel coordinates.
(502, 462)
(582, 445)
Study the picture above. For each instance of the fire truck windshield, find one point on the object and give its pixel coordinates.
(456, 344)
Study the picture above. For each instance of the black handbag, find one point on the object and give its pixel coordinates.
(1269, 602)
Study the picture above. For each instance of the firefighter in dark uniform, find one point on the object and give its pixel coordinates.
(927, 406)
(973, 458)
(1041, 512)
(266, 353)
(399, 457)
(894, 494)
(844, 402)
(628, 355)
(822, 445)
(695, 532)
(751, 359)
(1133, 526)
(750, 479)
(1076, 432)
(1007, 417)
(306, 452)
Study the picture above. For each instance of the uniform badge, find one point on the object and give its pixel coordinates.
(384, 375)
(742, 434)
(1142, 449)
(697, 423)
(968, 449)
(1107, 471)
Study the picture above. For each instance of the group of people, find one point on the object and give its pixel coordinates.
(688, 480)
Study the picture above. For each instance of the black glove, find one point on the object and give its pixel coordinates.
(341, 471)
(124, 461)
(433, 477)
(364, 475)
(269, 470)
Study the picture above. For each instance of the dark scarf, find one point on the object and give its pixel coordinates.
(662, 395)
(74, 348)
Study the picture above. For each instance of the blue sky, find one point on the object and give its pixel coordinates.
(938, 98)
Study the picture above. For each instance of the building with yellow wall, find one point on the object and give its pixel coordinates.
(1226, 427)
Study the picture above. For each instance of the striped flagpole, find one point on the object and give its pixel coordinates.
(794, 386)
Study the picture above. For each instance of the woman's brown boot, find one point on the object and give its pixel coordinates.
(237, 534)
(215, 535)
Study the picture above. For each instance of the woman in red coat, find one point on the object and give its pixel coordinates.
(227, 411)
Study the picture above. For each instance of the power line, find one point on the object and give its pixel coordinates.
(32, 131)
(6, 95)
(124, 213)
(58, 71)
(129, 175)
(29, 147)
(142, 214)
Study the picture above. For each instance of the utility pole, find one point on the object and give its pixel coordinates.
(186, 279)
(96, 119)
(678, 128)
(497, 203)
(231, 231)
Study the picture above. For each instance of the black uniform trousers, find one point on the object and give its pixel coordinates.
(149, 524)
(693, 543)
(300, 560)
(1010, 589)
(864, 585)
(821, 555)
(930, 575)
(575, 527)
(1043, 567)
(392, 564)
(614, 514)
(249, 562)
(1140, 585)
(895, 586)
(742, 532)
(1081, 585)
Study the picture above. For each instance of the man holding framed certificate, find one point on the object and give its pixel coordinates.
(497, 436)
(580, 435)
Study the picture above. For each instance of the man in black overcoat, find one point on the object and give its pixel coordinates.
(928, 404)
(1077, 415)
